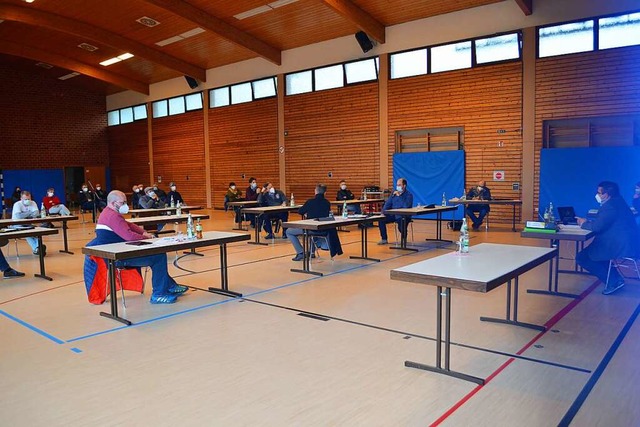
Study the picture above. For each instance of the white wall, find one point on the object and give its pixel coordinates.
(495, 18)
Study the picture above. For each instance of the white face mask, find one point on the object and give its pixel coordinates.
(124, 209)
(50, 194)
(399, 188)
(272, 190)
(85, 189)
(479, 188)
(254, 185)
(598, 199)
(137, 190)
(26, 202)
(343, 187)
(151, 194)
(173, 188)
(98, 188)
(233, 187)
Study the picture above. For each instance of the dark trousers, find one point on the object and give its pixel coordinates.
(597, 268)
(266, 221)
(382, 225)
(482, 210)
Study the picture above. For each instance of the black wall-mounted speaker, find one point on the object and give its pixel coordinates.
(193, 83)
(363, 40)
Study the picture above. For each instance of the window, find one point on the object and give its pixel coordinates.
(329, 77)
(126, 115)
(299, 83)
(193, 101)
(176, 105)
(618, 31)
(451, 57)
(500, 48)
(408, 64)
(219, 97)
(160, 109)
(139, 112)
(113, 118)
(241, 93)
(566, 38)
(264, 88)
(361, 71)
(437, 139)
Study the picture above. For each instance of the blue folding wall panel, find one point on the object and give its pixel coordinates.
(570, 176)
(37, 181)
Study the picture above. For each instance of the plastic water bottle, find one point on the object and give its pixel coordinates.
(545, 217)
(178, 209)
(173, 205)
(198, 229)
(464, 237)
(43, 211)
(345, 213)
(464, 195)
(552, 218)
(292, 202)
(444, 200)
(190, 231)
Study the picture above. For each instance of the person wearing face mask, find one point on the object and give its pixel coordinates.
(635, 201)
(86, 198)
(135, 198)
(101, 197)
(113, 228)
(160, 193)
(151, 200)
(252, 193)
(345, 194)
(15, 197)
(27, 208)
(272, 197)
(480, 192)
(401, 198)
(616, 236)
(234, 194)
(52, 204)
(177, 197)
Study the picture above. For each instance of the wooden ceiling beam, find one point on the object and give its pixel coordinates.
(36, 54)
(526, 6)
(359, 17)
(220, 27)
(55, 22)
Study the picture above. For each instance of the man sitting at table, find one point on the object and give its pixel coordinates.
(480, 192)
(113, 228)
(151, 200)
(174, 195)
(135, 198)
(400, 199)
(252, 193)
(86, 199)
(345, 194)
(52, 204)
(616, 236)
(272, 197)
(318, 207)
(27, 208)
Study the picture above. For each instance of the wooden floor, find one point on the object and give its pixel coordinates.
(211, 360)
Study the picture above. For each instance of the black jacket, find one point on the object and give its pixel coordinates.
(616, 232)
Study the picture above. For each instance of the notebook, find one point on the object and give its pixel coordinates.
(567, 215)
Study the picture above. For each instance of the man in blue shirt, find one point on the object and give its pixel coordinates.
(401, 198)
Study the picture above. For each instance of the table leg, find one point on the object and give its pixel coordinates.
(111, 276)
(224, 276)
(306, 260)
(513, 225)
(513, 320)
(447, 342)
(554, 264)
(257, 230)
(43, 274)
(192, 252)
(439, 229)
(64, 238)
(363, 244)
(404, 225)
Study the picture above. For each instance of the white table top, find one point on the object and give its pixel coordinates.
(485, 267)
(312, 224)
(166, 219)
(265, 209)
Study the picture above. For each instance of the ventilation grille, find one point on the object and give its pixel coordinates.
(147, 22)
(88, 47)
(44, 65)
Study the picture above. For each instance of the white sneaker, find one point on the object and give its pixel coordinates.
(383, 242)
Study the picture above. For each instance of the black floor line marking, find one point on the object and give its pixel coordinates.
(313, 316)
(409, 334)
(586, 390)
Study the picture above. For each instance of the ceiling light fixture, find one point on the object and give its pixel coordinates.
(179, 37)
(116, 59)
(262, 9)
(147, 22)
(29, 1)
(44, 65)
(68, 76)
(88, 47)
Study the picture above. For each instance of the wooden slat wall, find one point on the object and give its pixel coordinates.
(243, 139)
(586, 84)
(334, 130)
(128, 155)
(178, 154)
(483, 100)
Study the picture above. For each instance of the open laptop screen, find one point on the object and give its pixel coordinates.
(567, 215)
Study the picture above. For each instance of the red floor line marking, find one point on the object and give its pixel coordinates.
(555, 319)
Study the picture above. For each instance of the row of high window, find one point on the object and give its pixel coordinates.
(579, 36)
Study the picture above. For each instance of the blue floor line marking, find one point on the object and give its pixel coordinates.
(586, 390)
(144, 322)
(33, 328)
(76, 350)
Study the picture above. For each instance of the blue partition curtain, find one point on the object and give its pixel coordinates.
(37, 181)
(431, 174)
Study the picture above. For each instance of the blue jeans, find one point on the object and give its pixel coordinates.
(33, 242)
(597, 268)
(483, 211)
(382, 225)
(4, 265)
(160, 279)
(293, 233)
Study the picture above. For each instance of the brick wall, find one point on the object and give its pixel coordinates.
(47, 123)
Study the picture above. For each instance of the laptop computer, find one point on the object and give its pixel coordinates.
(567, 215)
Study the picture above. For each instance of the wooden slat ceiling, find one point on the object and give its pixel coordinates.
(55, 29)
